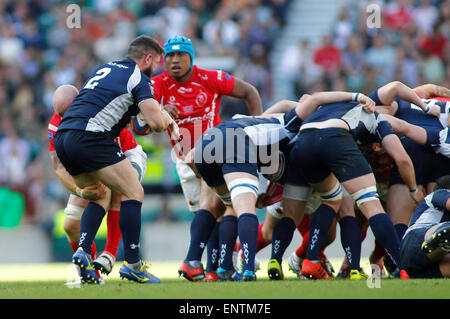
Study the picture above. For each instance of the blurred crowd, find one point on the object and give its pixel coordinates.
(409, 43)
(42, 47)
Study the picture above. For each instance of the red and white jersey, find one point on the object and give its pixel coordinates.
(125, 140)
(197, 100)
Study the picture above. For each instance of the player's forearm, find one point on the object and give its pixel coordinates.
(406, 170)
(432, 90)
(66, 180)
(254, 103)
(311, 103)
(282, 106)
(395, 89)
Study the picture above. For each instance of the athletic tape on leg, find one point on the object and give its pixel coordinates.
(365, 195)
(243, 185)
(334, 194)
(73, 211)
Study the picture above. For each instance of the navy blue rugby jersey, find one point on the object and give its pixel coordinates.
(431, 211)
(365, 127)
(413, 114)
(108, 99)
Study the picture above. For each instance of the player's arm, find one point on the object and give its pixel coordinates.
(282, 106)
(310, 104)
(389, 92)
(429, 90)
(392, 145)
(416, 133)
(246, 91)
(158, 119)
(93, 192)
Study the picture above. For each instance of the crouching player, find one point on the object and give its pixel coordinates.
(425, 248)
(79, 198)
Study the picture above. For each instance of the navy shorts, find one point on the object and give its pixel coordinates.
(319, 152)
(414, 260)
(214, 157)
(86, 152)
(428, 166)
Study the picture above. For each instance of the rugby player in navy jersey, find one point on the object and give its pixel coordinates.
(85, 145)
(398, 100)
(231, 169)
(333, 158)
(425, 248)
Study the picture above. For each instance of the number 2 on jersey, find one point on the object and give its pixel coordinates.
(100, 74)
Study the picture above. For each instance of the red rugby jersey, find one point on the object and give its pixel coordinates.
(197, 100)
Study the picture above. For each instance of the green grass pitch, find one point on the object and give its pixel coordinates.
(48, 281)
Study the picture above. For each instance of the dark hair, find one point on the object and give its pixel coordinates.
(142, 45)
(443, 182)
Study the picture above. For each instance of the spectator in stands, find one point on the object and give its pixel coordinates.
(328, 57)
(381, 57)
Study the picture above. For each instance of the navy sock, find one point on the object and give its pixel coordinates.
(384, 232)
(212, 249)
(130, 226)
(248, 236)
(321, 222)
(401, 230)
(227, 240)
(90, 222)
(282, 237)
(201, 227)
(351, 240)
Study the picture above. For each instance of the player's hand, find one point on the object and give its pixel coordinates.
(174, 130)
(417, 196)
(172, 110)
(260, 200)
(435, 110)
(367, 102)
(92, 192)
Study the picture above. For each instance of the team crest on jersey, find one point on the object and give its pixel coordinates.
(201, 99)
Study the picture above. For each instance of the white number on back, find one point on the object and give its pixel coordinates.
(92, 83)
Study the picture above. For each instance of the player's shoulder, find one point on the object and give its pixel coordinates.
(211, 75)
(54, 122)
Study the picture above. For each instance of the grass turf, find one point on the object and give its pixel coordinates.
(47, 281)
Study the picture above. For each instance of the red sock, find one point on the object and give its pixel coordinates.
(301, 251)
(93, 250)
(363, 235)
(74, 246)
(378, 252)
(113, 235)
(303, 227)
(261, 243)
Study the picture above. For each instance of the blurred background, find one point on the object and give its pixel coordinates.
(283, 47)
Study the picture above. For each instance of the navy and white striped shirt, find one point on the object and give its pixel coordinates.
(108, 99)
(431, 211)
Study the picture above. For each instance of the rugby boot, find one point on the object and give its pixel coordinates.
(192, 270)
(142, 276)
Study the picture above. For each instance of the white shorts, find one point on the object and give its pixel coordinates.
(190, 184)
(296, 192)
(138, 159)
